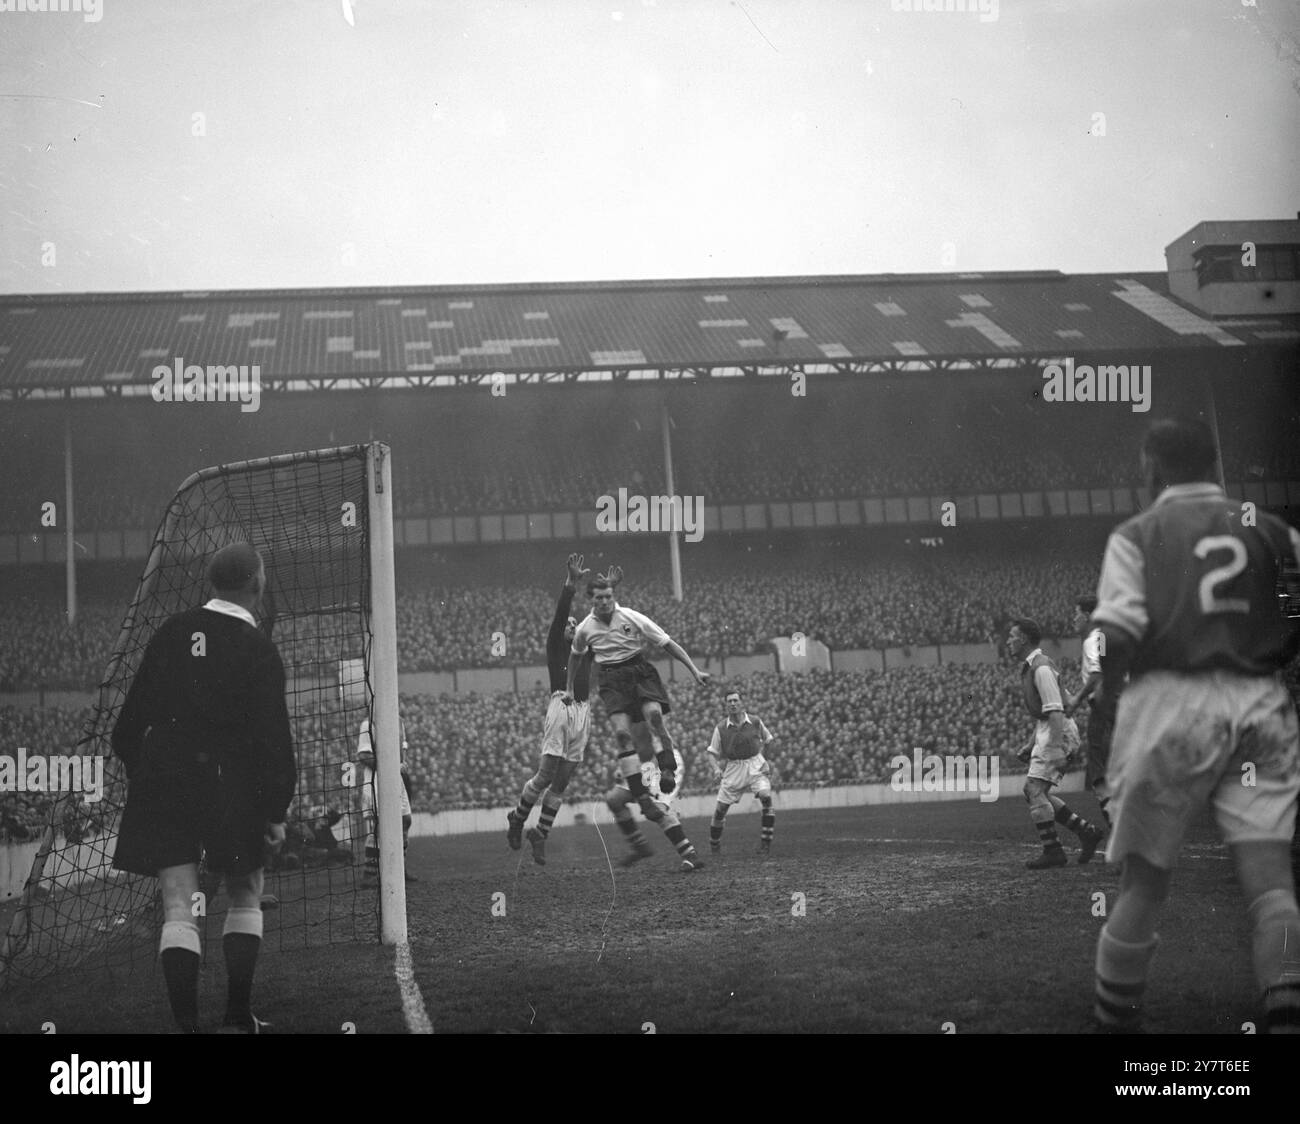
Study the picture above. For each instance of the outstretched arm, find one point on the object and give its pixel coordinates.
(679, 654)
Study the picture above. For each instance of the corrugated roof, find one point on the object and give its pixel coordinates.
(107, 340)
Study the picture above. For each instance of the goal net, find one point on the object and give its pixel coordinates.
(316, 518)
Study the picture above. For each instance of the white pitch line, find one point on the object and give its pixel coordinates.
(417, 1018)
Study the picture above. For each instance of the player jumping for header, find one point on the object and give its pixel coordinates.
(633, 695)
(565, 732)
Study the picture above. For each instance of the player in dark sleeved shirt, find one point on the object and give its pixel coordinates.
(565, 731)
(205, 738)
(1188, 606)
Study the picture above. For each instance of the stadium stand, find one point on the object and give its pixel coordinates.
(541, 451)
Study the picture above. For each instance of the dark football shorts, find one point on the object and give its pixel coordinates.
(1101, 725)
(625, 686)
(179, 809)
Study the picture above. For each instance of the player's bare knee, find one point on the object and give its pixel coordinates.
(563, 771)
(245, 890)
(178, 884)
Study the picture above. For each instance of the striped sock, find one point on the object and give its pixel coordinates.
(628, 826)
(546, 820)
(769, 825)
(1121, 980)
(1072, 821)
(677, 837)
(1047, 833)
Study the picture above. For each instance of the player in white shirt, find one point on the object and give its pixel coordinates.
(636, 702)
(1101, 716)
(370, 801)
(739, 741)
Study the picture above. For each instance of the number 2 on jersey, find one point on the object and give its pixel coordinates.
(1220, 574)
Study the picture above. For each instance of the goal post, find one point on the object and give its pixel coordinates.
(322, 521)
(386, 724)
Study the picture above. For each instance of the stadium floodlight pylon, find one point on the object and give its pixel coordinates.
(323, 522)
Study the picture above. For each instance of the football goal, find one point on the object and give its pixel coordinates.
(322, 522)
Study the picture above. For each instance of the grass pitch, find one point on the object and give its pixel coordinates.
(915, 918)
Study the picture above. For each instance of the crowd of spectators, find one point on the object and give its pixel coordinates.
(733, 605)
(474, 751)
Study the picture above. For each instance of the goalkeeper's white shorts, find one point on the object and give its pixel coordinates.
(567, 729)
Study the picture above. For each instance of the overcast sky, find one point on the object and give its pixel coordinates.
(245, 144)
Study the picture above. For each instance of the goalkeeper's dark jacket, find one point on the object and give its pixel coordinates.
(227, 702)
(557, 652)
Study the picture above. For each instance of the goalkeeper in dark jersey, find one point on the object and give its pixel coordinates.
(205, 738)
(565, 732)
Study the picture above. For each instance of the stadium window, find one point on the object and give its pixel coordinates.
(1216, 264)
(1283, 262)
(1219, 264)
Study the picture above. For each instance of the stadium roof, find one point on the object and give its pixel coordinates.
(318, 339)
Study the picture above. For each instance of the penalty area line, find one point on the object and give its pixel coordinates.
(413, 1011)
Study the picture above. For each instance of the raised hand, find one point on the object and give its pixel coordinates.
(576, 571)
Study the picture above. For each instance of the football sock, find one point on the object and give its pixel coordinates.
(241, 941)
(628, 826)
(677, 837)
(1276, 952)
(1047, 833)
(1121, 980)
(546, 820)
(769, 822)
(717, 824)
(1072, 820)
(527, 799)
(180, 951)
